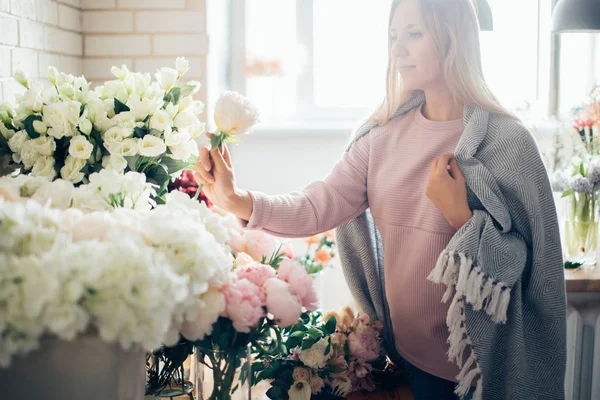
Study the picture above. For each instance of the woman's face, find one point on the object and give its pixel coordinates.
(413, 52)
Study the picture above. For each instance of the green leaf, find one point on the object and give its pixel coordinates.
(81, 110)
(187, 90)
(308, 343)
(274, 393)
(232, 139)
(331, 324)
(28, 123)
(140, 132)
(581, 169)
(61, 152)
(173, 95)
(568, 192)
(157, 174)
(173, 166)
(120, 107)
(328, 348)
(216, 140)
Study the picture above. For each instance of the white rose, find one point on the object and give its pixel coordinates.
(40, 127)
(167, 77)
(182, 151)
(21, 77)
(114, 162)
(28, 154)
(80, 147)
(234, 114)
(45, 145)
(71, 170)
(314, 356)
(160, 121)
(151, 146)
(185, 120)
(44, 167)
(17, 140)
(59, 193)
(182, 65)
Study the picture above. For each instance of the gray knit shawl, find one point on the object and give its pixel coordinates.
(503, 269)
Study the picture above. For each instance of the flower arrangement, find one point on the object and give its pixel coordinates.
(332, 353)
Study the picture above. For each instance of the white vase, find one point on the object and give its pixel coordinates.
(86, 368)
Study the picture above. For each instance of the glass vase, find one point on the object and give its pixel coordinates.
(581, 228)
(223, 374)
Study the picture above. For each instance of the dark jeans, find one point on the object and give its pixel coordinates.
(425, 386)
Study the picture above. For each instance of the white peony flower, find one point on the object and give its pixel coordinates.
(167, 77)
(71, 171)
(45, 145)
(80, 147)
(44, 167)
(234, 114)
(183, 65)
(207, 313)
(315, 357)
(58, 194)
(17, 140)
(114, 162)
(151, 146)
(160, 121)
(28, 154)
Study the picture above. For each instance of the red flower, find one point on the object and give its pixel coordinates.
(187, 183)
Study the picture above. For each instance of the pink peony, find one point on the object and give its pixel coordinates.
(243, 259)
(282, 303)
(301, 374)
(287, 250)
(245, 304)
(255, 273)
(259, 244)
(302, 284)
(364, 343)
(316, 384)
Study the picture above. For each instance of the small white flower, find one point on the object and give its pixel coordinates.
(21, 77)
(72, 169)
(80, 147)
(121, 74)
(32, 99)
(28, 154)
(44, 167)
(151, 146)
(17, 140)
(62, 118)
(183, 65)
(314, 356)
(45, 145)
(234, 114)
(127, 147)
(40, 127)
(85, 126)
(160, 121)
(167, 77)
(52, 75)
(114, 162)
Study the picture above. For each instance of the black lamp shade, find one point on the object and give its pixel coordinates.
(576, 16)
(484, 14)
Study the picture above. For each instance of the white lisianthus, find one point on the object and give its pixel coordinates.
(45, 145)
(114, 135)
(80, 147)
(177, 137)
(182, 151)
(197, 85)
(32, 99)
(58, 194)
(185, 103)
(127, 147)
(314, 356)
(66, 90)
(61, 118)
(6, 133)
(28, 154)
(97, 112)
(31, 185)
(198, 130)
(21, 77)
(234, 114)
(183, 65)
(44, 167)
(151, 146)
(167, 77)
(85, 126)
(71, 171)
(40, 127)
(160, 121)
(141, 108)
(114, 162)
(185, 120)
(52, 75)
(17, 140)
(122, 73)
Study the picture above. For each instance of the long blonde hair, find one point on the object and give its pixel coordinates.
(455, 30)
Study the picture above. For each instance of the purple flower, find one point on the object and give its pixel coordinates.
(580, 184)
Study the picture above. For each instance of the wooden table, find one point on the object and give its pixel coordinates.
(583, 280)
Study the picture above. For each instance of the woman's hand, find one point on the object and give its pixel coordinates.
(215, 172)
(447, 190)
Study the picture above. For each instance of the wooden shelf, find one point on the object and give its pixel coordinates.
(583, 280)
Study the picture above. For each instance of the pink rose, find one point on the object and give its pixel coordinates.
(245, 303)
(255, 273)
(259, 244)
(364, 344)
(316, 384)
(282, 303)
(301, 374)
(302, 284)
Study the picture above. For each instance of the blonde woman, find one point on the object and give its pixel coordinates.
(460, 208)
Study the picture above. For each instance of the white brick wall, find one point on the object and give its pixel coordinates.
(144, 35)
(90, 36)
(35, 34)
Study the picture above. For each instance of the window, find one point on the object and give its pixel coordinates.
(325, 60)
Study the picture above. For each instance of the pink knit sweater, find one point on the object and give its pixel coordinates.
(387, 171)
